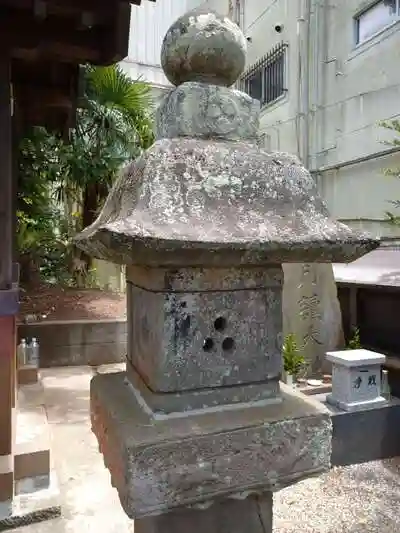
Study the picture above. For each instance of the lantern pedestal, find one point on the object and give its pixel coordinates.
(188, 459)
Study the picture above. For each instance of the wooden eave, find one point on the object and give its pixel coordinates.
(47, 40)
(77, 31)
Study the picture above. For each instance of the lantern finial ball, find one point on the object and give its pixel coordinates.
(202, 46)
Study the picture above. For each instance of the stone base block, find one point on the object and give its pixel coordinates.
(36, 492)
(161, 464)
(356, 406)
(252, 515)
(167, 403)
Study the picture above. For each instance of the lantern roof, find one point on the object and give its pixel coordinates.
(205, 194)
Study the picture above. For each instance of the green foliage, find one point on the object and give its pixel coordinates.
(118, 108)
(355, 341)
(293, 359)
(394, 126)
(39, 231)
(62, 185)
(113, 126)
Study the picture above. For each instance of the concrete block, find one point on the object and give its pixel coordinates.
(365, 435)
(356, 379)
(72, 343)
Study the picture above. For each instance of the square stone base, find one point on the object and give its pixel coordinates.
(164, 404)
(356, 406)
(161, 464)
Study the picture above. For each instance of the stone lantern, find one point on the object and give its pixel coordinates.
(198, 432)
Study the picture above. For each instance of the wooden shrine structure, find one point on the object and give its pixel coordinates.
(42, 44)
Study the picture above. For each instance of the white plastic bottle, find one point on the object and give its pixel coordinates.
(22, 353)
(386, 393)
(34, 352)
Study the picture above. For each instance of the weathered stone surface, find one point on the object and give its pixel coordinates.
(252, 515)
(205, 328)
(311, 311)
(203, 46)
(158, 465)
(202, 110)
(161, 404)
(204, 202)
(204, 220)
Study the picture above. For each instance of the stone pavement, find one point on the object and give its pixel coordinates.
(356, 499)
(89, 503)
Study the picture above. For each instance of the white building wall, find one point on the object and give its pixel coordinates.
(149, 24)
(279, 123)
(361, 88)
(337, 94)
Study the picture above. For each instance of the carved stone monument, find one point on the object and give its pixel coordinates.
(311, 311)
(197, 433)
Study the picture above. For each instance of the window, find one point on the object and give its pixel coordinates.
(375, 18)
(265, 81)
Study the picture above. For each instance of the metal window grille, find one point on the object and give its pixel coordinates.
(266, 80)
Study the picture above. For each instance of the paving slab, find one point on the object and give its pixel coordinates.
(89, 503)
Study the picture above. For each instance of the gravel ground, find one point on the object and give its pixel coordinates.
(355, 499)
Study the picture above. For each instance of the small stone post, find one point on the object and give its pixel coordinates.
(356, 379)
(198, 432)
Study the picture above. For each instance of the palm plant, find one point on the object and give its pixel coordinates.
(113, 126)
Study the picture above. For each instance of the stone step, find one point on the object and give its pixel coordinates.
(27, 374)
(36, 491)
(32, 446)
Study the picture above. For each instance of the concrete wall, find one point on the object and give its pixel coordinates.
(278, 121)
(337, 94)
(65, 343)
(361, 87)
